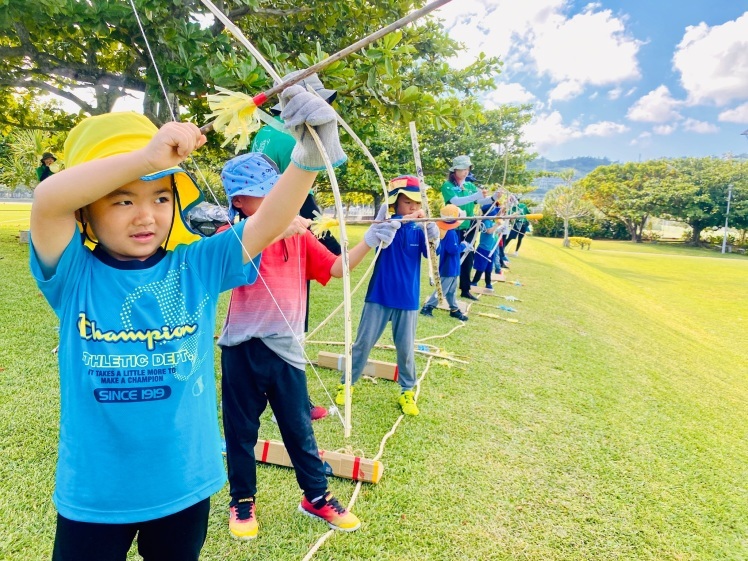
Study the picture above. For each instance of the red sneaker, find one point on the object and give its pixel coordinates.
(331, 511)
(318, 412)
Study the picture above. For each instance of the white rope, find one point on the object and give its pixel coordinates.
(324, 537)
(153, 60)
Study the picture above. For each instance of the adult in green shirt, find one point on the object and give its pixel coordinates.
(43, 171)
(458, 191)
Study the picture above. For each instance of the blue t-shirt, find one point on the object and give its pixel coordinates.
(449, 254)
(487, 241)
(139, 433)
(396, 280)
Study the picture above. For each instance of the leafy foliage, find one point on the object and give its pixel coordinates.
(567, 202)
(698, 192)
(629, 192)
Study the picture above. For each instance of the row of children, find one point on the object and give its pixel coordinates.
(457, 254)
(136, 328)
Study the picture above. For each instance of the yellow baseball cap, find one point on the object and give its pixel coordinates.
(110, 134)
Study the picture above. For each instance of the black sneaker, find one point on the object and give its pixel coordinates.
(468, 296)
(426, 311)
(458, 314)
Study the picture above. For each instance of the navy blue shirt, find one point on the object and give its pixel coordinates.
(396, 281)
(449, 255)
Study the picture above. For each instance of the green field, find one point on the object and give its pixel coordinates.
(611, 423)
(15, 215)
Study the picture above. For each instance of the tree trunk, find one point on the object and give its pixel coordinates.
(631, 227)
(566, 233)
(639, 229)
(377, 201)
(696, 235)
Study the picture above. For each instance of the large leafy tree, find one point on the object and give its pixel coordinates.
(697, 193)
(63, 45)
(630, 192)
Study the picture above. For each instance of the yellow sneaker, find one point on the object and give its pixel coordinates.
(242, 519)
(407, 401)
(340, 396)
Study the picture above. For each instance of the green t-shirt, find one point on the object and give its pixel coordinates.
(43, 172)
(275, 144)
(520, 208)
(450, 190)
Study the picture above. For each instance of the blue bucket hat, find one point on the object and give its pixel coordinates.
(252, 174)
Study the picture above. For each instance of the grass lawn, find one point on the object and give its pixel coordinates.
(15, 215)
(611, 423)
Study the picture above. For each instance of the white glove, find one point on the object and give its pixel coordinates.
(432, 231)
(301, 108)
(465, 247)
(383, 232)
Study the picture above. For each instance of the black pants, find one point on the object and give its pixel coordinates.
(517, 232)
(486, 273)
(178, 537)
(467, 264)
(254, 375)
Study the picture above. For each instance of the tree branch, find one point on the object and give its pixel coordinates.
(20, 83)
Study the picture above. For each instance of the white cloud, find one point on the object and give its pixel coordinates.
(615, 93)
(701, 127)
(605, 128)
(643, 140)
(507, 93)
(658, 106)
(664, 130)
(738, 114)
(713, 62)
(566, 90)
(485, 26)
(548, 130)
(589, 48)
(537, 36)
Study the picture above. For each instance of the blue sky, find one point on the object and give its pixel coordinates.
(627, 80)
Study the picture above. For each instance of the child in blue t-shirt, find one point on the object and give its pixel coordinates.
(483, 262)
(139, 449)
(449, 251)
(394, 293)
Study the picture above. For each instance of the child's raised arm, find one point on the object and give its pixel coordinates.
(58, 197)
(282, 204)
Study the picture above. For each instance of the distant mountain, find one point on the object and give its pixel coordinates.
(581, 166)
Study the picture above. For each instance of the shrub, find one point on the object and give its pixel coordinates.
(553, 227)
(581, 242)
